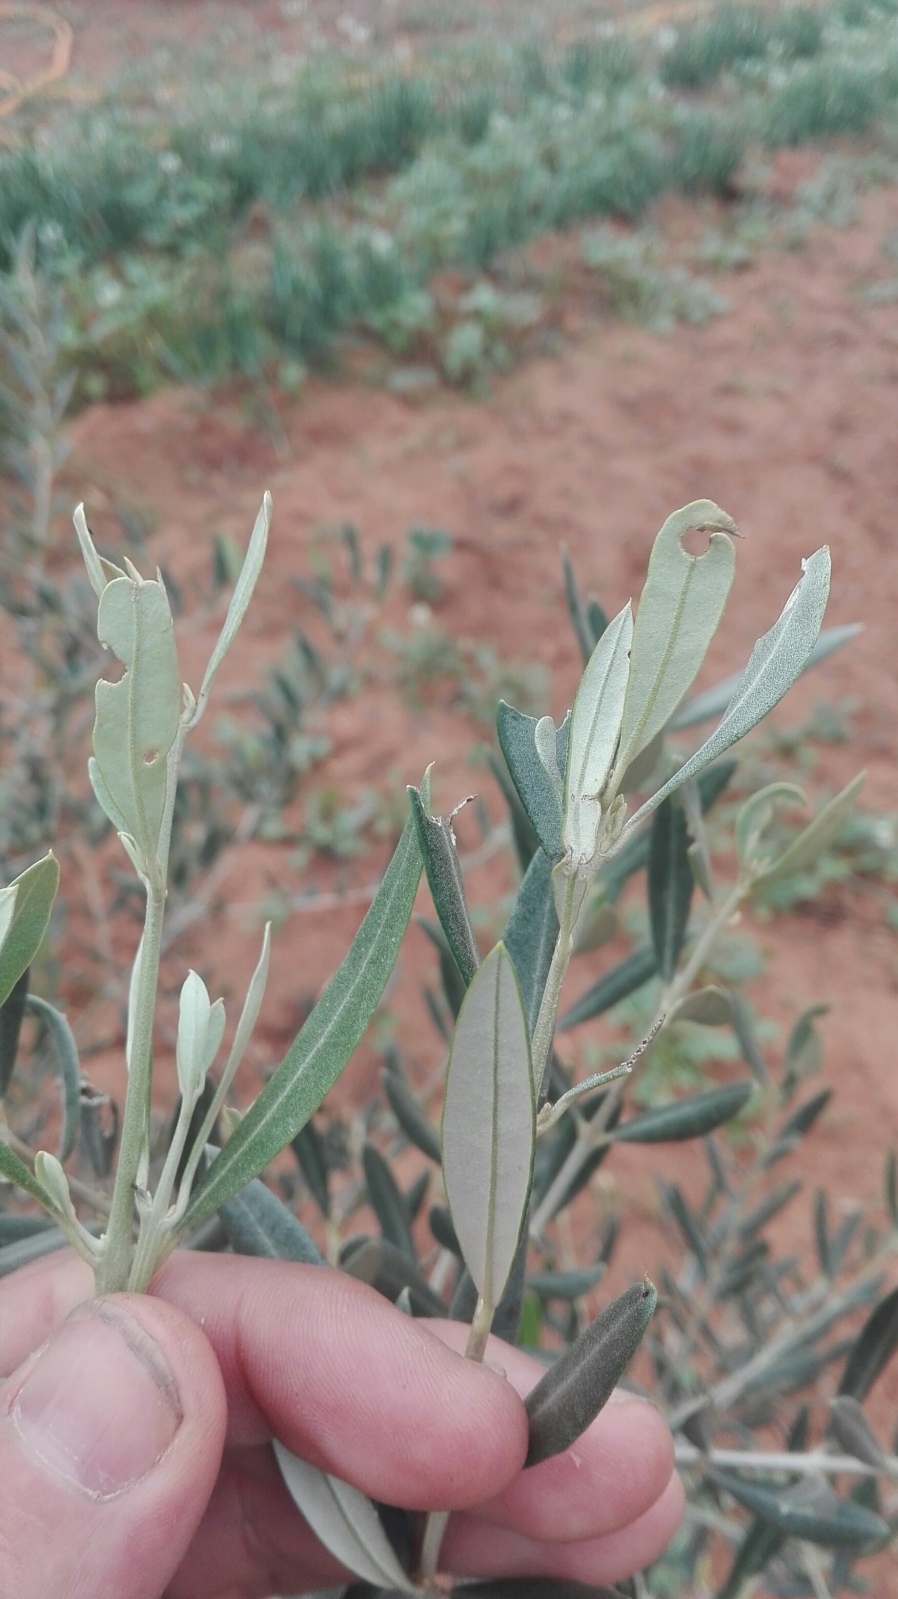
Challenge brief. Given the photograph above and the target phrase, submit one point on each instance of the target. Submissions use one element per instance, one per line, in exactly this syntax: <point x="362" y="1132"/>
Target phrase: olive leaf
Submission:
<point x="843" y="1523"/>
<point x="595" y="728"/>
<point x="488" y="1129"/>
<point x="240" y="599"/>
<point x="258" y="1223"/>
<point x="344" y="1519"/>
<point x="756" y="814"/>
<point x="325" y="1042"/>
<point x="686" y="1118"/>
<point x="814" y="839"/>
<point x="386" y="1200"/>
<point x="25" y="906"/>
<point x="535" y="786"/>
<point x="12" y="1012"/>
<point x="670" y="885"/>
<point x="418" y="1128"/>
<point x="711" y="702"/>
<point x="623" y="979"/>
<point x="137" y="718"/>
<point x="872" y="1350"/>
<point x="711" y="1007"/>
<point x="679" y="611"/>
<point x="532" y="932"/>
<point x="777" y="659"/>
<point x="574" y="1390"/>
<point x="66" y="1051"/>
<point x="436" y="842"/>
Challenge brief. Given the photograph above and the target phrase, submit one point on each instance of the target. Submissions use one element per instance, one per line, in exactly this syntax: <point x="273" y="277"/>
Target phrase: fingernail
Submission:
<point x="100" y="1404"/>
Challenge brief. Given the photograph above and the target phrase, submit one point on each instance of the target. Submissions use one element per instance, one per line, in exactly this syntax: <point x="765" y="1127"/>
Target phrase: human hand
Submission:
<point x="135" y="1433"/>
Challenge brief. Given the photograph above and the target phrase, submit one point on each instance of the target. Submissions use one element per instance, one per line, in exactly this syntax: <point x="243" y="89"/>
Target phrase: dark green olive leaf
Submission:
<point x="844" y="1523"/>
<point x="686" y="1118"/>
<point x="66" y="1052"/>
<point x="443" y="1231"/>
<point x="387" y="1201"/>
<point x="804" y="1052"/>
<point x="612" y="987"/>
<point x="777" y="659"/>
<point x="532" y="932"/>
<point x="689" y="1224"/>
<point x="258" y="1223"/>
<point x="821" y="1233"/>
<point x="532" y="1588"/>
<point x="761" y="1544"/>
<point x="507" y="1317"/>
<point x="25" y="906"/>
<point x="850" y="1429"/>
<point x="345" y="1520"/>
<point x="464" y="1299"/>
<point x="679" y="610"/>
<point x="526" y="842"/>
<point x="670" y="885"/>
<point x="581" y="1382"/>
<point x="14" y="1227"/>
<point x="708" y="1007"/>
<point x="308" y="1148"/>
<point x="387" y="1270"/>
<point x="794" y="1129"/>
<point x="488" y="1132"/>
<point x="454" y="985"/>
<point x="416" y="1193"/>
<point x="576" y="608"/>
<point x="436" y="841"/>
<point x="325" y="1042"/>
<point x="873" y="1349"/>
<point x="566" y="1285"/>
<point x="769" y="1207"/>
<point x="702" y="707"/>
<point x="536" y="790"/>
<point x="11" y="1012"/>
<point x="743" y="1028"/>
<point x="814" y="839"/>
<point x="598" y="620"/>
<point x="742" y="1271"/>
<point x="418" y="1128"/>
<point x="21" y="1252"/>
<point x="16" y="1171"/>
<point x="891" y="1186"/>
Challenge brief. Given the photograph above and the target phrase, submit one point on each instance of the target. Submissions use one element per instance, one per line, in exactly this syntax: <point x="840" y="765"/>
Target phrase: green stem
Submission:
<point x="594" y="1133"/>
<point x="113" y="1271"/>
<point x="435" y="1526"/>
<point x="544" y="1031"/>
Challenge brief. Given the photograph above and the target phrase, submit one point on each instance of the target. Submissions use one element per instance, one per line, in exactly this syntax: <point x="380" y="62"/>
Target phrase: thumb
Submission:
<point x="110" y="1443"/>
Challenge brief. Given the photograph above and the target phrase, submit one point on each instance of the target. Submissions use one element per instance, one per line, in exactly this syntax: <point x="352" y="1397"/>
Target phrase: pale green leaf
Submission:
<point x="137" y="717"/>
<point x="133" y="991"/>
<point x="344" y="1519"/>
<point x="15" y="1171"/>
<point x="758" y="812"/>
<point x="66" y="1051"/>
<point x="488" y="1124"/>
<point x="7" y="910"/>
<point x="215" y="1032"/>
<point x="814" y="839"/>
<point x="325" y="1042"/>
<point x="99" y="571"/>
<point x="104" y="798"/>
<point x="240" y="599"/>
<point x="31" y="896"/>
<point x="194" y="1011"/>
<point x="773" y="666"/>
<point x="711" y="1007"/>
<point x="679" y="611"/>
<point x="595" y="726"/>
<point x="702" y="707"/>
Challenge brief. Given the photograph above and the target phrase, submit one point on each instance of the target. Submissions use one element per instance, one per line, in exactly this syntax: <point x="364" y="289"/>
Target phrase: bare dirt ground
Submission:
<point x="782" y="411"/>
